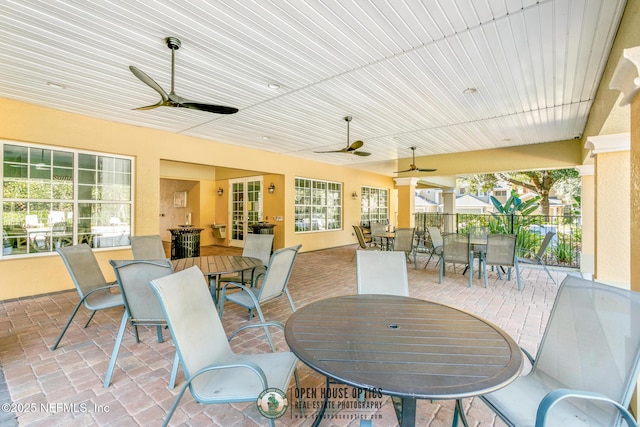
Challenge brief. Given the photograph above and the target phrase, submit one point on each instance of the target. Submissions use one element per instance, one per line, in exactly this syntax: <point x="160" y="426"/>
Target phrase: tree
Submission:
<point x="541" y="182"/>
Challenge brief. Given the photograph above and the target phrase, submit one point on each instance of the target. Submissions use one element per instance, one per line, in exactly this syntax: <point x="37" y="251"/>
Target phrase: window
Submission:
<point x="318" y="205"/>
<point x="374" y="205"/>
<point x="58" y="197"/>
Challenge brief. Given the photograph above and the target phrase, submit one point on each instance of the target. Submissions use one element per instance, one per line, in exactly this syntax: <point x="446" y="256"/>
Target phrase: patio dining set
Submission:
<point x="379" y="340"/>
<point x="495" y="250"/>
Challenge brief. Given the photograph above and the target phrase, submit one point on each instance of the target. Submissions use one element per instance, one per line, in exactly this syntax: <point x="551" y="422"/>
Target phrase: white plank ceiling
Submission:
<point x="399" y="67"/>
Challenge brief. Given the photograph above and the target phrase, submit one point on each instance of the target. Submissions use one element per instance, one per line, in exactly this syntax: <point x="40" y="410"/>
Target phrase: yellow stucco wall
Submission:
<point x="150" y="149"/>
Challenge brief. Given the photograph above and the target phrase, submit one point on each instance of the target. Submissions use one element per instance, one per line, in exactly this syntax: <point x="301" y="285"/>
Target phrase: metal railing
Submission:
<point x="564" y="249"/>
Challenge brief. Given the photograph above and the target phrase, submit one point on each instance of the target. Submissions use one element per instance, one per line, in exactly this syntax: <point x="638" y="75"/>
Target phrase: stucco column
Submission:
<point x="626" y="79"/>
<point x="406" y="201"/>
<point x="587" y="210"/>
<point x="449" y="207"/>
<point x="612" y="208"/>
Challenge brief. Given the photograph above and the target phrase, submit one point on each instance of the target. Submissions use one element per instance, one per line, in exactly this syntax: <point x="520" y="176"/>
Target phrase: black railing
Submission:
<point x="564" y="249"/>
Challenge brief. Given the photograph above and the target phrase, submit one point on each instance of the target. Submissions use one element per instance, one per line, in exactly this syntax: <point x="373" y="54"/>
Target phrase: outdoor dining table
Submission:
<point x="387" y="237"/>
<point x="404" y="347"/>
<point x="214" y="266"/>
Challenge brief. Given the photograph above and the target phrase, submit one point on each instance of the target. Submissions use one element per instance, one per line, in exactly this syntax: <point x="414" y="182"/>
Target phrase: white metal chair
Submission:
<point x="538" y="256"/>
<point x="147" y="247"/>
<point x="141" y="306"/>
<point x="93" y="289"/>
<point x="456" y="250"/>
<point x="586" y="367"/>
<point x="501" y="252"/>
<point x="214" y="373"/>
<point x="382" y="272"/>
<point x="255" y="246"/>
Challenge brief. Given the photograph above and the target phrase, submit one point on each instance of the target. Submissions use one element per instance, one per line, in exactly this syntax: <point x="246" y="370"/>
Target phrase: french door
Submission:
<point x="245" y="207"/>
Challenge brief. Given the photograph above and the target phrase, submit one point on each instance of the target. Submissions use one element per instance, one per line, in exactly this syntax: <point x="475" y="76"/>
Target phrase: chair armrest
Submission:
<point x="255" y="325"/>
<point x="528" y="355"/>
<point x="246" y="364"/>
<point x="101" y="288"/>
<point x="557" y="395"/>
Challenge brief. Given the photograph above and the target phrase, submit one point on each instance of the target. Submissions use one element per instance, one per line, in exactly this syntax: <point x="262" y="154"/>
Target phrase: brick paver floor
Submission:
<point x="64" y="387"/>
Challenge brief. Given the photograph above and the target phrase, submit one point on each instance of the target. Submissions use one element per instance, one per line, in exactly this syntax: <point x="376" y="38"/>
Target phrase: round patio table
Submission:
<point x="214" y="266"/>
<point x="404" y="347"/>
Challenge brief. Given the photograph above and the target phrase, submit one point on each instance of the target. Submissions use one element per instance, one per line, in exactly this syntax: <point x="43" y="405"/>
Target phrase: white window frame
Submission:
<point x="107" y="179"/>
<point x="317" y="205"/>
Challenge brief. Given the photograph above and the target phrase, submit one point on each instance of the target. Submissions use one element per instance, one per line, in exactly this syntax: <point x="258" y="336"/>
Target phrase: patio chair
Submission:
<point x="273" y="285"/>
<point x="214" y="373"/>
<point x="377" y="227"/>
<point x="436" y="244"/>
<point x="382" y="272"/>
<point x="586" y="367"/>
<point x="147" y="247"/>
<point x="456" y="250"/>
<point x="403" y="241"/>
<point x="501" y="252"/>
<point x="538" y="256"/>
<point x="93" y="289"/>
<point x="361" y="241"/>
<point x="255" y="246"/>
<point x="141" y="306"/>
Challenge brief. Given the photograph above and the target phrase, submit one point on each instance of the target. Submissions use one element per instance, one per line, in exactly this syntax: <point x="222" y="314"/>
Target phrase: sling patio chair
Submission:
<point x="403" y="241"/>
<point x="94" y="291"/>
<point x="214" y="373"/>
<point x="141" y="306"/>
<point x="436" y="244"/>
<point x="456" y="250"/>
<point x="586" y="367"/>
<point x="537" y="258"/>
<point x="255" y="246"/>
<point x="269" y="286"/>
<point x="382" y="272"/>
<point x="501" y="252"/>
<point x="362" y="242"/>
<point x="147" y="247"/>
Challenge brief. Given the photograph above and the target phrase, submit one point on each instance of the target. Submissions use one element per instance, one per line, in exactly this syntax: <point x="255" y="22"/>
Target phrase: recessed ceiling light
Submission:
<point x="274" y="86"/>
<point x="469" y="90"/>
<point x="266" y="138"/>
<point x="56" y="85"/>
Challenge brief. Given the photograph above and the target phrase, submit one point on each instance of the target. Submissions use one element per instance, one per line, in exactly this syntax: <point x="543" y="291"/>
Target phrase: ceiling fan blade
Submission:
<point x="218" y="109"/>
<point x="149" y="107"/>
<point x="408" y="170"/>
<point x="149" y="82"/>
<point x="426" y="170"/>
<point x="355" y="145"/>
<point x="332" y="151"/>
<point x="361" y="153"/>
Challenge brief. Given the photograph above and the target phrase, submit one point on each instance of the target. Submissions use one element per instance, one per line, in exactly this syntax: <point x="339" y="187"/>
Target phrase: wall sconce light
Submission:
<point x="354" y="195"/>
<point x="272" y="188"/>
<point x="220" y="191"/>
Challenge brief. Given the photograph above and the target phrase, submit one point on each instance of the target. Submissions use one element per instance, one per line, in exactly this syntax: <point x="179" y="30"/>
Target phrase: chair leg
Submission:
<point x="266" y="328"/>
<point x="75" y="310"/>
<point x="548" y="273"/>
<point x="90" y="317"/>
<point x="174" y="371"/>
<point x="135" y="332"/>
<point x="518" y="274"/>
<point x="470" y="268"/>
<point x="175" y="404"/>
<point x="116" y="348"/>
<point x="441" y="272"/>
<point x="293" y="307"/>
<point x="159" y="331"/>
